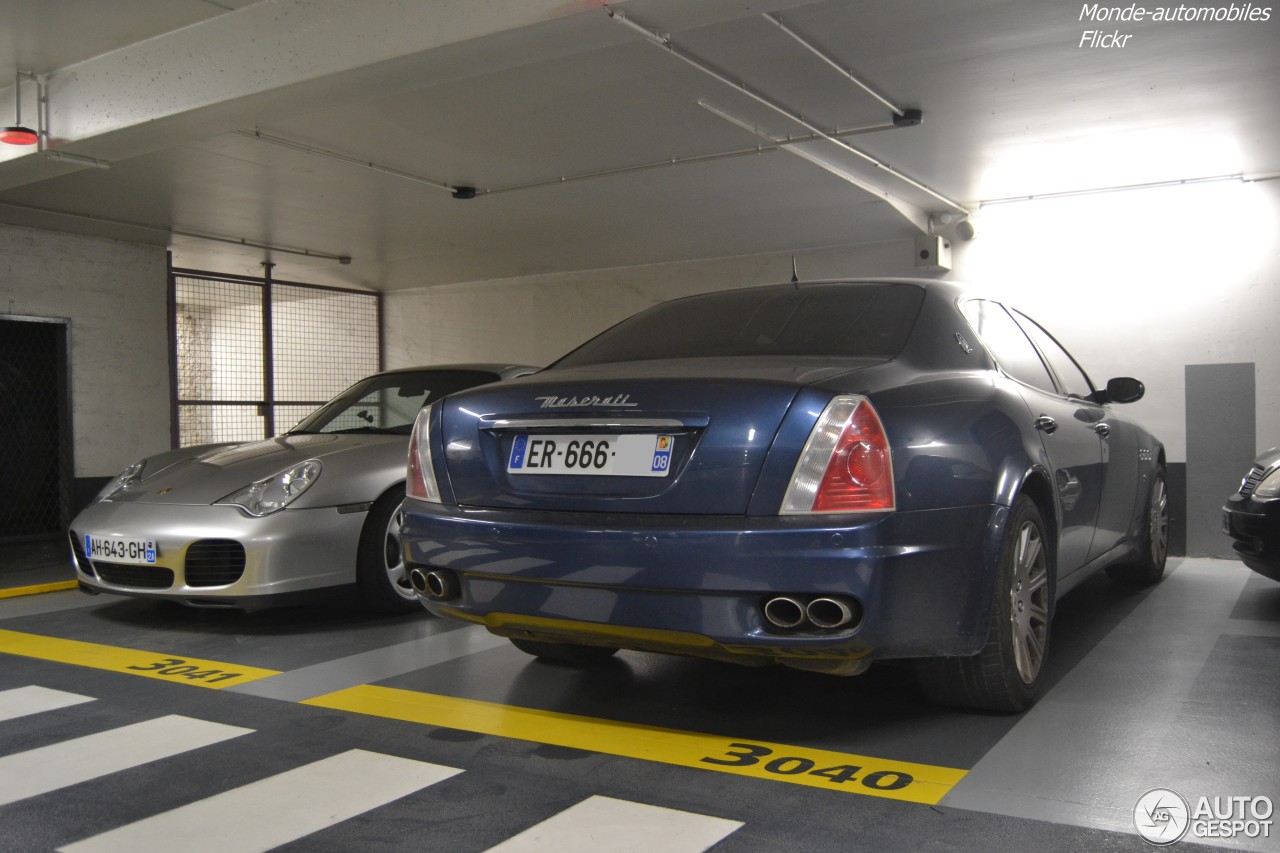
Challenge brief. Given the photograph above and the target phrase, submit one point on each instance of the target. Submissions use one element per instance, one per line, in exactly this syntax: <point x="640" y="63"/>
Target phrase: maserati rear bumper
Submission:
<point x="918" y="584"/>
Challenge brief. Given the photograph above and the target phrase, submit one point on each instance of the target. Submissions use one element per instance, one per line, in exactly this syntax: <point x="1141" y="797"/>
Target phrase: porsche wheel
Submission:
<point x="380" y="570"/>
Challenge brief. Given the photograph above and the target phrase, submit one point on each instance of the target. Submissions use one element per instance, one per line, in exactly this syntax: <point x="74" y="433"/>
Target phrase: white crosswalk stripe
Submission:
<point x="606" y="825"/>
<point x="275" y="810"/>
<point x="49" y="768"/>
<point x="22" y="701"/>
<point x="293" y="804"/>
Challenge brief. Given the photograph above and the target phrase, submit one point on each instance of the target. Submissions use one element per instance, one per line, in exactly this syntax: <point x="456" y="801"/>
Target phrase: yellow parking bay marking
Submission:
<point x="819" y="768"/>
<point x="36" y="589"/>
<point x="184" y="670"/>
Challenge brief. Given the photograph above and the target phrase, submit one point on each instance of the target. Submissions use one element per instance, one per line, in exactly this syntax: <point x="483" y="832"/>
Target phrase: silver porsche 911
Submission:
<point x="274" y="521"/>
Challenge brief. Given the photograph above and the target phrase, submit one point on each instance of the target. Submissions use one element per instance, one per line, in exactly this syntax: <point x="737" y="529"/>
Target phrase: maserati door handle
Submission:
<point x="1046" y="424"/>
<point x="1103" y="430"/>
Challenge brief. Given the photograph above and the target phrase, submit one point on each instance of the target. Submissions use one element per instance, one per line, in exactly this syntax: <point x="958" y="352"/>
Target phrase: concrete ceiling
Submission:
<point x="237" y="131"/>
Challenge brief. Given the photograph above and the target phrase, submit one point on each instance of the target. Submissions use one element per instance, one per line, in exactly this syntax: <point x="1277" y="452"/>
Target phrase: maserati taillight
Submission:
<point x="846" y="465"/>
<point x="421" y="481"/>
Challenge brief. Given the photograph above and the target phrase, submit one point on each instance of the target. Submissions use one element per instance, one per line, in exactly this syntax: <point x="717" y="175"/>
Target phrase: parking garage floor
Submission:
<point x="128" y="724"/>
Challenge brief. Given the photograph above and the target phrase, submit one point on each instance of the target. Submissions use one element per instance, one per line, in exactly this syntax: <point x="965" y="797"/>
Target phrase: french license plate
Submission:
<point x="593" y="455"/>
<point x="120" y="549"/>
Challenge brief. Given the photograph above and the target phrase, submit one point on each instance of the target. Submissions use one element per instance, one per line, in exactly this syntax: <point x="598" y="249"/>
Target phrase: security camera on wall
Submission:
<point x="933" y="253"/>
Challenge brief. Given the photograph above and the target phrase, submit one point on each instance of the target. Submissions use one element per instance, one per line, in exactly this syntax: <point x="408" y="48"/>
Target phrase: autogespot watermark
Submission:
<point x="1164" y="817"/>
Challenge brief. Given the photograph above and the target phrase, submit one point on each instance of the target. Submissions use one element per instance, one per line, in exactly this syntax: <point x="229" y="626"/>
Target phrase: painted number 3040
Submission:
<point x="750" y="754"/>
<point x="179" y="667"/>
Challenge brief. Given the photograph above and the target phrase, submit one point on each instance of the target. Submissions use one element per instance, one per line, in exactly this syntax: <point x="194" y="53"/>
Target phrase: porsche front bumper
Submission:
<point x="218" y="556"/>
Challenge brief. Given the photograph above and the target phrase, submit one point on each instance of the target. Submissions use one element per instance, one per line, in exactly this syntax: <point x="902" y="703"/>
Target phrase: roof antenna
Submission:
<point x="795" y="271"/>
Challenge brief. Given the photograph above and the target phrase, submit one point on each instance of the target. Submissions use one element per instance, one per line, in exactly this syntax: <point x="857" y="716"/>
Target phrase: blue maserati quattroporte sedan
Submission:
<point x="821" y="475"/>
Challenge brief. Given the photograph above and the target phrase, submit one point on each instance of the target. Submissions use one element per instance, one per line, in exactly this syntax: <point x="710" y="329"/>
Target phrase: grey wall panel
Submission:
<point x="1221" y="443"/>
<point x="1176" y="483"/>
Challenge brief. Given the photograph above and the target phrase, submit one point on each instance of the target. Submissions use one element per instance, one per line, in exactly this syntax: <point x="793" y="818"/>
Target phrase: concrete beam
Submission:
<point x="266" y="58"/>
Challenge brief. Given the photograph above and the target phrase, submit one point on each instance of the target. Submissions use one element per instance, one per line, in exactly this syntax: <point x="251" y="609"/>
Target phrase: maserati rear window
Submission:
<point x="832" y="320"/>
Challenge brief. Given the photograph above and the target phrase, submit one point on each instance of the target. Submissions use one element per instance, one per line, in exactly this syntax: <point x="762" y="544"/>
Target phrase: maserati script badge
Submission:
<point x="617" y="401"/>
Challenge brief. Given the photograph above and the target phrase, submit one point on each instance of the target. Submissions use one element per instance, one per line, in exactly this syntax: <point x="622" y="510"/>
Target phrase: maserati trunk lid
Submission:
<point x="676" y="437"/>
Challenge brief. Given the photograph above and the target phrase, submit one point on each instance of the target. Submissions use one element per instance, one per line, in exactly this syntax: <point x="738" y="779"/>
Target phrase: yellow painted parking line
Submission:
<point x="36" y="589"/>
<point x="184" y="670"/>
<point x="818" y="768"/>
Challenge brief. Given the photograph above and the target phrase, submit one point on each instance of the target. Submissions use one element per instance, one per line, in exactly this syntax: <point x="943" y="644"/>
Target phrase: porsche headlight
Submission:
<point x="122" y="481"/>
<point x="277" y="491"/>
<point x="1270" y="485"/>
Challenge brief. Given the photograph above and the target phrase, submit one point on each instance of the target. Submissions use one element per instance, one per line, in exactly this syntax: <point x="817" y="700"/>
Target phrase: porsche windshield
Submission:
<point x="389" y="402"/>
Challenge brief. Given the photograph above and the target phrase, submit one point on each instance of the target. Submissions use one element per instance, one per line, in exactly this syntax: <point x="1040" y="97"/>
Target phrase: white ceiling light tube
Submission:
<point x="1125" y="188"/>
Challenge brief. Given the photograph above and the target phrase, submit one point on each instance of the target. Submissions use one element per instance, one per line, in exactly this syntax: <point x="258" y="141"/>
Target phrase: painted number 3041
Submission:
<point x="751" y="754"/>
<point x="178" y="667"/>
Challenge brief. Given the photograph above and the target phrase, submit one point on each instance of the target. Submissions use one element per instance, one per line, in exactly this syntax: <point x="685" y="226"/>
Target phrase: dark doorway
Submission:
<point x="35" y="435"/>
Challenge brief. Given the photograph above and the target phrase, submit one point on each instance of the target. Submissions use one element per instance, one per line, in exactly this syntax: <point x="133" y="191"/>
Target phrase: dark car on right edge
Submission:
<point x="1252" y="516"/>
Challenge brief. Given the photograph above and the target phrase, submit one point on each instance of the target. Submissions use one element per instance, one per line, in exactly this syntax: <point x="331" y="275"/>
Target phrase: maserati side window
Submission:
<point x="1008" y="344"/>
<point x="1074" y="380"/>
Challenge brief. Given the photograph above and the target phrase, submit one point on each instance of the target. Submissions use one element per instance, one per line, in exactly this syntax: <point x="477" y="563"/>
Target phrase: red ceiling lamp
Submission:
<point x="17" y="133"/>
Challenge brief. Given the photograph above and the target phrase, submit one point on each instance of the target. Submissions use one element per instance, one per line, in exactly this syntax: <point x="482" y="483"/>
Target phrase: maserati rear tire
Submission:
<point x="1007" y="674"/>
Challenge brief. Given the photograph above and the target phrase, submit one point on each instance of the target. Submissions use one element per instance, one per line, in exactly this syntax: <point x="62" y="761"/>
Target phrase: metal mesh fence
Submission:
<point x="322" y="340"/>
<point x="34" y="441"/>
<point x="220" y="368"/>
<point x="287" y="416"/>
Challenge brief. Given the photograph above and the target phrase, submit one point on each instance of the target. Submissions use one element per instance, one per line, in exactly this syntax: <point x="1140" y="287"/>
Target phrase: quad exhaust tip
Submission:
<point x="437" y="584"/>
<point x="828" y="612"/>
<point x="825" y="612"/>
<point x="783" y="611"/>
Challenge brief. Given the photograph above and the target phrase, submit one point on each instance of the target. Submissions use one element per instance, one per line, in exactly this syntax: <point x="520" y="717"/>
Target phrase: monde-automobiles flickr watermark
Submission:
<point x="1164" y="817"/>
<point x="1126" y="22"/>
